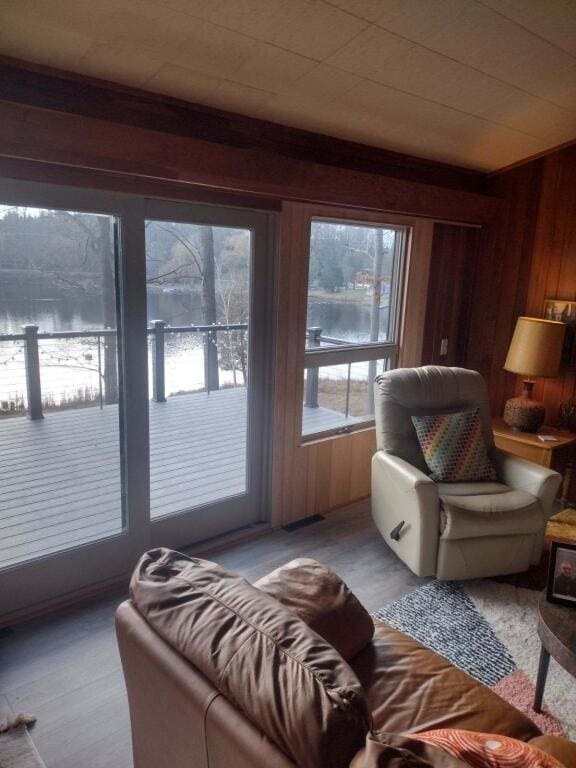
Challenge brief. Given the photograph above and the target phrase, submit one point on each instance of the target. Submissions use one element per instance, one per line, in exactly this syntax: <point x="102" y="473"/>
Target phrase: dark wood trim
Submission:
<point x="529" y="159"/>
<point x="71" y="140"/>
<point x="69" y="176"/>
<point x="36" y="86"/>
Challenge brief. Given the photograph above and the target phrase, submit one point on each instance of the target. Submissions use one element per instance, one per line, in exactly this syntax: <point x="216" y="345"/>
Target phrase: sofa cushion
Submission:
<point x="492" y="514"/>
<point x="394" y="751"/>
<point x="410" y="688"/>
<point x="488" y="750"/>
<point x="453" y="446"/>
<point x="322" y="600"/>
<point x="283" y="676"/>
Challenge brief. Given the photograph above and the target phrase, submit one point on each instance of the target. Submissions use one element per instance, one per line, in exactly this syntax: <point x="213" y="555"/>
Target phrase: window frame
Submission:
<point x="345" y="354"/>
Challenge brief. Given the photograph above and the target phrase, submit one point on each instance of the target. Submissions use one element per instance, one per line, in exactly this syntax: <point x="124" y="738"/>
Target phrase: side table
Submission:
<point x="559" y="454"/>
<point x="557" y="632"/>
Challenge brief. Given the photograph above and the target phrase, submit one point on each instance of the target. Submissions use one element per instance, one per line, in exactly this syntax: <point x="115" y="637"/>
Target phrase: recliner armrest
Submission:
<point x="523" y="475"/>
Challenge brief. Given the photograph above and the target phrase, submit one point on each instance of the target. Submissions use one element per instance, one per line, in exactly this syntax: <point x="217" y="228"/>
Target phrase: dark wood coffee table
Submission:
<point x="557" y="632"/>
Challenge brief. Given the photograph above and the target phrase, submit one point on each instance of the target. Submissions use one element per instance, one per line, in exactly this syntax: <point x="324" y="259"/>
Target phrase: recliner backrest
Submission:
<point x="406" y="392"/>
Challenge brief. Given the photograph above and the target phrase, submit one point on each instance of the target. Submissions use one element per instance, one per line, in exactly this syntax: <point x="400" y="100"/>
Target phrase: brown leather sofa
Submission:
<point x="200" y="651"/>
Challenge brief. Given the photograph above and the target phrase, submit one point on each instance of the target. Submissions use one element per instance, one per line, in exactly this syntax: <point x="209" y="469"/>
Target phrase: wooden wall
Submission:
<point x="533" y="258"/>
<point x="553" y="267"/>
<point x="54" y="131"/>
<point x="454" y="258"/>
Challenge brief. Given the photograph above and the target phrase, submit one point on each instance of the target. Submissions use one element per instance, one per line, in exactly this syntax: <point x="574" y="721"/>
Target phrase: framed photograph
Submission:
<point x="562" y="574"/>
<point x="564" y="310"/>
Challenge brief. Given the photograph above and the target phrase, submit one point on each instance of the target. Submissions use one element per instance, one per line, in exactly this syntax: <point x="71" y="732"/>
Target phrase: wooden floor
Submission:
<point x="60" y="476"/>
<point x="66" y="669"/>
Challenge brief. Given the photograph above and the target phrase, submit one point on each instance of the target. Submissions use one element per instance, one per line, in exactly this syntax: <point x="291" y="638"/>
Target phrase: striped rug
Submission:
<point x="488" y="630"/>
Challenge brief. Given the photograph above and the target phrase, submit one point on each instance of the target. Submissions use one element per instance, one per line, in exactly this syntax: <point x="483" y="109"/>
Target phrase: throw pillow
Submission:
<point x="453" y="446"/>
<point x="323" y="601"/>
<point x="484" y="750"/>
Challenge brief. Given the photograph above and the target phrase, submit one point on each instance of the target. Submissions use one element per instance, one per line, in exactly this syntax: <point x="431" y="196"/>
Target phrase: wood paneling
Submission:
<point x="416" y="295"/>
<point x="553" y="268"/>
<point x="454" y="258"/>
<point x="533" y="258"/>
<point x="93" y="144"/>
<point x="502" y="277"/>
<point x="37" y="86"/>
<point x="71" y="176"/>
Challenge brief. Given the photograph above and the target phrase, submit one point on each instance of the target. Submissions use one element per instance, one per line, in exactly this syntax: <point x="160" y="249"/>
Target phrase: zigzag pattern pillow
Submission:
<point x="453" y="446"/>
<point x="483" y="750"/>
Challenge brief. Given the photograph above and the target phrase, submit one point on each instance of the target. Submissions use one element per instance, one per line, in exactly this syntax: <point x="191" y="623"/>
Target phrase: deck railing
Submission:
<point x="105" y="364"/>
<point x="106" y="352"/>
<point x="315" y="338"/>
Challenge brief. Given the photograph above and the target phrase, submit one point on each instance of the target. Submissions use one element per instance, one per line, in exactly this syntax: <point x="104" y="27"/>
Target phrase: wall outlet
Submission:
<point x="443" y="347"/>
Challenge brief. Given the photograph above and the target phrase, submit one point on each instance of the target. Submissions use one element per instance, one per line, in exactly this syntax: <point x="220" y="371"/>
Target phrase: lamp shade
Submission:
<point x="536" y="347"/>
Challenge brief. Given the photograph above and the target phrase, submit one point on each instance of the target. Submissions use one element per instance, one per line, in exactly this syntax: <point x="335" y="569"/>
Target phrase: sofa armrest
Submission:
<point x="523" y="475"/>
<point x="403" y="493"/>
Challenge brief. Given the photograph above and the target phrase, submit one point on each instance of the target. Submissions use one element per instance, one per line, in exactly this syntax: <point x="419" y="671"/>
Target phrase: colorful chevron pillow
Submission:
<point x="453" y="446"/>
<point x="483" y="750"/>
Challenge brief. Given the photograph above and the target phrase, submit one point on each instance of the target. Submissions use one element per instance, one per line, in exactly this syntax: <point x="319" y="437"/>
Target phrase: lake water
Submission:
<point x="69" y="367"/>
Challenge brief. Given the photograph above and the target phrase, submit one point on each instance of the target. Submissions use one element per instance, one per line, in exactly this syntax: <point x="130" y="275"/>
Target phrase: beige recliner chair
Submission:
<point x="452" y="530"/>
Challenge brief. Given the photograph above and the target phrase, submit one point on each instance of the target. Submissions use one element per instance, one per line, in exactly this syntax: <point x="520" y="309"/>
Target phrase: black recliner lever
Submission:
<point x="396" y="531"/>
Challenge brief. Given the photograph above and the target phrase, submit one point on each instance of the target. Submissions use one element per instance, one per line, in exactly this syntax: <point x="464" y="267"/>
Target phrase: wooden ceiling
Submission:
<point x="478" y="83"/>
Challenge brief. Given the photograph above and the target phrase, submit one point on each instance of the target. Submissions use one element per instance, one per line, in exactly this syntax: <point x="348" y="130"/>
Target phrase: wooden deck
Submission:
<point x="60" y="477"/>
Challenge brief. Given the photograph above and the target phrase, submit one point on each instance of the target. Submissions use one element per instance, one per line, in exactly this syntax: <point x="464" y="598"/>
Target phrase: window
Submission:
<point x="354" y="288"/>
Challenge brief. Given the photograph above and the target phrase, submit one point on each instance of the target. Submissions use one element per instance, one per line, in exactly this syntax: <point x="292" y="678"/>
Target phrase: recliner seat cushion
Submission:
<point x="280" y="674"/>
<point x="469" y="488"/>
<point x="494" y="514"/>
<point x="323" y="601"/>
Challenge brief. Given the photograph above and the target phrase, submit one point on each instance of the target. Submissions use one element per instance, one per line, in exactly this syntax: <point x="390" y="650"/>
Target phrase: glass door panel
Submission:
<point x="59" y="382"/>
<point x="198" y="288"/>
<point x="134" y="336"/>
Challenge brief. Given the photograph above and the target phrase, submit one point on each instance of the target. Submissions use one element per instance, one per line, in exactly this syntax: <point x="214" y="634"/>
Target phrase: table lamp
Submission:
<point x="535" y="350"/>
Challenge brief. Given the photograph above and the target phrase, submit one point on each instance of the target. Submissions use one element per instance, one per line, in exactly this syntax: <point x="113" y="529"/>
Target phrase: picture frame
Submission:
<point x="561" y="584"/>
<point x="564" y="311"/>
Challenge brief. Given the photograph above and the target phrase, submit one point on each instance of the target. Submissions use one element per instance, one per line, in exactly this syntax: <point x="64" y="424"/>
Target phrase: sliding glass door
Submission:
<point x="134" y="338"/>
<point x="60" y="382"/>
<point x="207" y="271"/>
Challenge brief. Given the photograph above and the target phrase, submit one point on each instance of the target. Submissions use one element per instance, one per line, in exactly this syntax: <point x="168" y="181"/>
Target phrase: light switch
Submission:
<point x="443" y="347"/>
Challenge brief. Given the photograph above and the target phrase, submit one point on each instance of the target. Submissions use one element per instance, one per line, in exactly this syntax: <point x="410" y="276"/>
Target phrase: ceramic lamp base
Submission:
<point x="524" y="414"/>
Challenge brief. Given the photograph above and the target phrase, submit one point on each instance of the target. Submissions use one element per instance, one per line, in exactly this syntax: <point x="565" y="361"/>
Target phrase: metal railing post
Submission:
<point x="32" y="359"/>
<point x="311" y="394"/>
<point x="372" y="368"/>
<point x="211" y="374"/>
<point x="158" y="368"/>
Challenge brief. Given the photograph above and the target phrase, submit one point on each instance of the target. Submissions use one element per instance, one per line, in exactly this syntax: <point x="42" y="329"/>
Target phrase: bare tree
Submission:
<point x="206" y="239"/>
